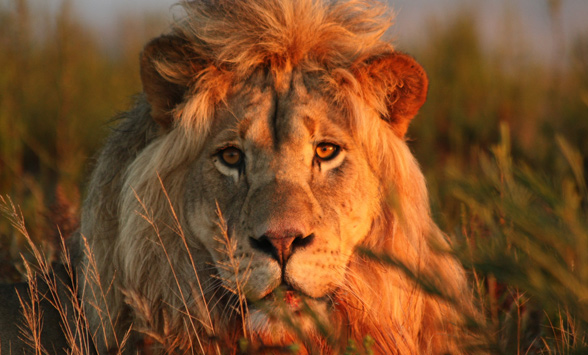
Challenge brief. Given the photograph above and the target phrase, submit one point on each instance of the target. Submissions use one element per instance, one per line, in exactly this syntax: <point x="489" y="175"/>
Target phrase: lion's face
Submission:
<point x="293" y="186"/>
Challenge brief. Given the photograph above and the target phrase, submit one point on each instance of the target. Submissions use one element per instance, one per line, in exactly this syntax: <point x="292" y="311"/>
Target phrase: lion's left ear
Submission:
<point x="167" y="66"/>
<point x="401" y="82"/>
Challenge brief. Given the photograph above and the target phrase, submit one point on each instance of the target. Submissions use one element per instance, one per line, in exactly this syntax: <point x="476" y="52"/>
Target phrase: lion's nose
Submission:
<point x="281" y="244"/>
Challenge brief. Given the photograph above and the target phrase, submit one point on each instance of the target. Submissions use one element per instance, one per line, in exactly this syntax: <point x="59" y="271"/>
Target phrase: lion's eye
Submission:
<point x="327" y="151"/>
<point x="231" y="156"/>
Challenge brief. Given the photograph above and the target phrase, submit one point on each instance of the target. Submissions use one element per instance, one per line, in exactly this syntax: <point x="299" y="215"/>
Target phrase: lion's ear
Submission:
<point x="404" y="84"/>
<point x="167" y="66"/>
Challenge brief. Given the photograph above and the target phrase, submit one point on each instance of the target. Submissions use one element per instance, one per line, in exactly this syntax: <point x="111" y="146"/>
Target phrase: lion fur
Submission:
<point x="134" y="223"/>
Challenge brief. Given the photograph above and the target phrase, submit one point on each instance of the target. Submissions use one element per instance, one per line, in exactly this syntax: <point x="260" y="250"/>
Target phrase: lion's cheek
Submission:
<point x="261" y="279"/>
<point x="358" y="213"/>
<point x="315" y="276"/>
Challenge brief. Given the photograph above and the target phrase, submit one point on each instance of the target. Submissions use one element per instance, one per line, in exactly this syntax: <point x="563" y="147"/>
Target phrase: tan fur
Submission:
<point x="185" y="249"/>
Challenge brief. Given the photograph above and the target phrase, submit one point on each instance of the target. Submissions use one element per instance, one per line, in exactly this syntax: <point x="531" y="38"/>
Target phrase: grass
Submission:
<point x="524" y="236"/>
<point x="48" y="287"/>
<point x="501" y="141"/>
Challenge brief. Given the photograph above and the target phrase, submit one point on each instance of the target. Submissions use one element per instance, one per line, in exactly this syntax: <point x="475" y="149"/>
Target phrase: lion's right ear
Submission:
<point x="167" y="66"/>
<point x="399" y="81"/>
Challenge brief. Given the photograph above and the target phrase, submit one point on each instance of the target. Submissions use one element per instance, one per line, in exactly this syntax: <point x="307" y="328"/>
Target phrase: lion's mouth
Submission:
<point x="288" y="299"/>
<point x="293" y="300"/>
<point x="287" y="311"/>
<point x="285" y="299"/>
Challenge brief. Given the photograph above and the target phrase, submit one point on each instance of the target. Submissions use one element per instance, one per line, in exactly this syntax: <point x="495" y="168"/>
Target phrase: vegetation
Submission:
<point x="501" y="140"/>
<point x="59" y="89"/>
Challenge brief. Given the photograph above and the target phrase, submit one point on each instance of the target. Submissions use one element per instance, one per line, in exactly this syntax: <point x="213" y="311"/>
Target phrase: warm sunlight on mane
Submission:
<point x="272" y="80"/>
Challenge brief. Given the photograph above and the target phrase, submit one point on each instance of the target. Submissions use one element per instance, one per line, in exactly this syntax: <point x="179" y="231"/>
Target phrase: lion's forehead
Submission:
<point x="258" y="113"/>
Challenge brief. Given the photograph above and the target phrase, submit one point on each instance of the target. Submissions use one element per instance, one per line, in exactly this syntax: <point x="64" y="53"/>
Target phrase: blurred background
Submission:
<point x="503" y="135"/>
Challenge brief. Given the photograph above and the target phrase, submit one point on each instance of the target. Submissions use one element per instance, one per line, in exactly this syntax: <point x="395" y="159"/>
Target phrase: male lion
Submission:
<point x="240" y="197"/>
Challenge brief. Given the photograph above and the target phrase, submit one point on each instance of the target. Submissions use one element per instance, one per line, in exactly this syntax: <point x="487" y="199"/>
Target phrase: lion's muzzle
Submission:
<point x="280" y="244"/>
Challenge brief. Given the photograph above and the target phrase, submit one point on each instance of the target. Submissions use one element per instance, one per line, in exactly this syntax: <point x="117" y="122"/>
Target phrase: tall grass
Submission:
<point x="524" y="235"/>
<point x="502" y="141"/>
<point x="59" y="87"/>
<point x="476" y="87"/>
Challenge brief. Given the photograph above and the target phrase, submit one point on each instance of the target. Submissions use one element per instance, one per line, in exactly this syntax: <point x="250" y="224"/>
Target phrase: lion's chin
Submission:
<point x="277" y="319"/>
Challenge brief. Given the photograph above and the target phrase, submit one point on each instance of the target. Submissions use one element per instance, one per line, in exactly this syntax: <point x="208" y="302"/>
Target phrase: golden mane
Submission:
<point x="222" y="42"/>
<point x="239" y="36"/>
<point x="227" y="40"/>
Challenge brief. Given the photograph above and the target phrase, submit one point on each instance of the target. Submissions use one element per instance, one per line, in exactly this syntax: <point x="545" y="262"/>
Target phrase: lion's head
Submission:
<point x="235" y="198"/>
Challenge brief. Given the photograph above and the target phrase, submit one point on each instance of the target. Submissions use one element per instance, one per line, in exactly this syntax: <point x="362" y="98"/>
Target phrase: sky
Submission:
<point x="523" y="21"/>
<point x="529" y="19"/>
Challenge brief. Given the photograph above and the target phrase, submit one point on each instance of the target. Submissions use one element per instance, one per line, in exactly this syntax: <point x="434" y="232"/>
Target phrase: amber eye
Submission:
<point x="326" y="151"/>
<point x="231" y="156"/>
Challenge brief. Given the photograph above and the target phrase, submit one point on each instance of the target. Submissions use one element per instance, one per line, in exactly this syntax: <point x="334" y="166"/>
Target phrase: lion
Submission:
<point x="260" y="193"/>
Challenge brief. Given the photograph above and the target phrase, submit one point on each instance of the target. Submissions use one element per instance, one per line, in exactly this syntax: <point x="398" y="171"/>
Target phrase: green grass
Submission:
<point x="502" y="141"/>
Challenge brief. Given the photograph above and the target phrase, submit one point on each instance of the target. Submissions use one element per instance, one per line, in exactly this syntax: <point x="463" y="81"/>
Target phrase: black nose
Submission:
<point x="281" y="245"/>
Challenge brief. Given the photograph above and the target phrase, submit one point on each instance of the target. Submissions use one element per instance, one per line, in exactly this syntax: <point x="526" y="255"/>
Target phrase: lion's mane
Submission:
<point x="137" y="269"/>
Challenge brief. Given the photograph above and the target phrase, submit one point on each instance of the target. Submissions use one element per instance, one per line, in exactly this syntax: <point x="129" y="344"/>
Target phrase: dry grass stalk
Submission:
<point x="228" y="247"/>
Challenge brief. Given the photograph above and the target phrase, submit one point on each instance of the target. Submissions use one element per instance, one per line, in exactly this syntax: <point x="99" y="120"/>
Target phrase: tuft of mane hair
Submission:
<point x="226" y="40"/>
<point x="243" y="35"/>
